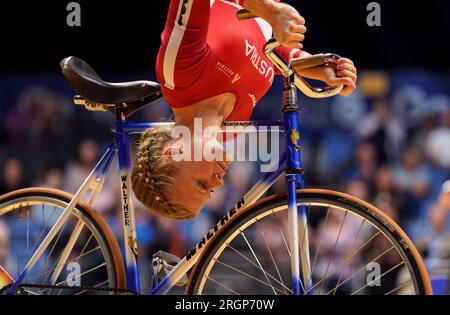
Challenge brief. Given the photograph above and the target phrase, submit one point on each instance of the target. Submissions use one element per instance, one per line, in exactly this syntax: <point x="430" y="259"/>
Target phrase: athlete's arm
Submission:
<point x="345" y="74"/>
<point x="184" y="51"/>
<point x="287" y="24"/>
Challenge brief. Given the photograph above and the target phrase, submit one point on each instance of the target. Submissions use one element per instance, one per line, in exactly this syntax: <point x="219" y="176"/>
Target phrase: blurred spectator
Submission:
<point x="388" y="195"/>
<point x="357" y="189"/>
<point x="365" y="163"/>
<point x="420" y="136"/>
<point x="384" y="130"/>
<point x="39" y="124"/>
<point x="13" y="177"/>
<point x="77" y="171"/>
<point x="52" y="178"/>
<point x="413" y="179"/>
<point x="437" y="145"/>
<point x="389" y="206"/>
<point x="440" y="225"/>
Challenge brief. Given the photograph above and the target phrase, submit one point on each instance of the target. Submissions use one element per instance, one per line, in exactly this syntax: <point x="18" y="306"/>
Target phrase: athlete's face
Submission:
<point x="196" y="180"/>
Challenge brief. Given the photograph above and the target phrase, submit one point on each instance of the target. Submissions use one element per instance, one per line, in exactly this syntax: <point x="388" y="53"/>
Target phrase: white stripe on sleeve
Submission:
<point x="170" y="55"/>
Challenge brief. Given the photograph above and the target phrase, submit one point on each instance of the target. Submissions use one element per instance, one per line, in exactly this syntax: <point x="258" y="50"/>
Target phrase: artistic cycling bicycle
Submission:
<point x="304" y="241"/>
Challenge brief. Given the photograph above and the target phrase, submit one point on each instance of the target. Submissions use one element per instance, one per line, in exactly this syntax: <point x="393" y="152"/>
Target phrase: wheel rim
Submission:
<point x="274" y="280"/>
<point x="28" y="219"/>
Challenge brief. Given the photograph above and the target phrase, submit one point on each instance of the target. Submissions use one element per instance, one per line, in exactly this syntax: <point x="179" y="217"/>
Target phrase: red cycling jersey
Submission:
<point x="207" y="51"/>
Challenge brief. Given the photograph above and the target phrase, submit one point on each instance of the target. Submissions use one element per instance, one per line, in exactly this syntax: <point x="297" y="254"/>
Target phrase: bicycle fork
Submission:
<point x="298" y="229"/>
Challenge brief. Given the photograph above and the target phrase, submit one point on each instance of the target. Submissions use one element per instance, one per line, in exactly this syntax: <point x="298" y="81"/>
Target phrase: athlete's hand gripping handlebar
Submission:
<point x="297" y="64"/>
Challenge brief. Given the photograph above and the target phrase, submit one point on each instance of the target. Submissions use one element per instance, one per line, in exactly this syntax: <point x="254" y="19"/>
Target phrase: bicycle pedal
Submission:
<point x="163" y="263"/>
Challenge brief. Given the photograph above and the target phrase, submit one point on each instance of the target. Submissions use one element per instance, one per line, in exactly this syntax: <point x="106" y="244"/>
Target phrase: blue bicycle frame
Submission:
<point x="291" y="166"/>
<point x="123" y="130"/>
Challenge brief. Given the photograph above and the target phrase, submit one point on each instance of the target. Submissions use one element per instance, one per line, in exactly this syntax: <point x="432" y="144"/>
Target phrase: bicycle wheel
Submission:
<point x="354" y="249"/>
<point x="73" y="262"/>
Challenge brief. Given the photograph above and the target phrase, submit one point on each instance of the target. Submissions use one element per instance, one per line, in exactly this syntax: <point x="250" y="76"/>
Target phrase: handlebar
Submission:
<point x="296" y="64"/>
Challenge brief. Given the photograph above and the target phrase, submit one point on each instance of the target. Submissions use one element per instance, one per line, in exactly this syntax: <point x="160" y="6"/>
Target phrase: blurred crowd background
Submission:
<point x="388" y="144"/>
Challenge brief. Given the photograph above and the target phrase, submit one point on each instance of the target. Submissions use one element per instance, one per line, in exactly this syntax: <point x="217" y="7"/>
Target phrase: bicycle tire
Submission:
<point x="82" y="211"/>
<point x="367" y="211"/>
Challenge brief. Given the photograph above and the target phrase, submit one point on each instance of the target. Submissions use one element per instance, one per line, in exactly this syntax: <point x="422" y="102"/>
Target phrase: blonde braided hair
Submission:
<point x="152" y="175"/>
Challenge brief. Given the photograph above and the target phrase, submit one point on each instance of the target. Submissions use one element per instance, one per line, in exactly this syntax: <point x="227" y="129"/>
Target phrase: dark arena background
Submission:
<point x="388" y="143"/>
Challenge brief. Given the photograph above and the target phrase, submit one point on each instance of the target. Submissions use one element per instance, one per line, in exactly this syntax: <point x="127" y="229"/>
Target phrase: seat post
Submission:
<point x="129" y="223"/>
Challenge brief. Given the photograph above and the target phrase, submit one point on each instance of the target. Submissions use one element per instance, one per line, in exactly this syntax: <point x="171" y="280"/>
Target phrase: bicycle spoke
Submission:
<point x="379" y="277"/>
<point x="44" y="224"/>
<point x="81" y="253"/>
<point x="334" y="248"/>
<point x="77" y="276"/>
<point x="353" y="254"/>
<point x="55" y="242"/>
<point x="399" y="287"/>
<point x="223" y="286"/>
<point x="257" y="260"/>
<point x="30" y="217"/>
<point x="320" y="243"/>
<point x="343" y="241"/>
<point x="364" y="267"/>
<point x="282" y="235"/>
<point x="17" y="245"/>
<point x="28" y="231"/>
<point x="247" y="275"/>
<point x="255" y="265"/>
<point x="84" y="273"/>
<point x="86" y="244"/>
<point x="54" y="246"/>
<point x="47" y="271"/>
<point x="271" y="256"/>
<point x="348" y="257"/>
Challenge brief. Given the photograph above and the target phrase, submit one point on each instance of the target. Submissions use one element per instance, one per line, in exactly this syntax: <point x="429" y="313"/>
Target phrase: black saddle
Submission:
<point x="131" y="96"/>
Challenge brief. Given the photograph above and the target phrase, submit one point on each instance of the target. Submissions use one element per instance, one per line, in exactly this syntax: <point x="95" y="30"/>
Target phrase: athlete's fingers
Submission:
<point x="349" y="86"/>
<point x="346" y="66"/>
<point x="296" y="37"/>
<point x="347" y="90"/>
<point x="345" y="60"/>
<point x="300" y="20"/>
<point x="293" y="44"/>
<point x="347" y="73"/>
<point x="296" y="28"/>
<point x="291" y="37"/>
<point x="342" y="81"/>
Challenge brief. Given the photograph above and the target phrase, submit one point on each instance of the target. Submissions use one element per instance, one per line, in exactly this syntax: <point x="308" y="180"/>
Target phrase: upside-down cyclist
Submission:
<point x="211" y="65"/>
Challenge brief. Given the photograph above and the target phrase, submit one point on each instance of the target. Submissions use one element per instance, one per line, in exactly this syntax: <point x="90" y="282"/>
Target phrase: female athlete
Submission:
<point x="211" y="66"/>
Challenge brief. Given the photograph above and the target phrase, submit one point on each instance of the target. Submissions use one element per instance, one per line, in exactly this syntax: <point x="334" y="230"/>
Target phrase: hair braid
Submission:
<point x="152" y="174"/>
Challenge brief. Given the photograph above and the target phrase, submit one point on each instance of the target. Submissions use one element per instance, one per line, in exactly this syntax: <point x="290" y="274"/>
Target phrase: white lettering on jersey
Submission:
<point x="261" y="65"/>
<point x="236" y="78"/>
<point x="253" y="98"/>
<point x="228" y="72"/>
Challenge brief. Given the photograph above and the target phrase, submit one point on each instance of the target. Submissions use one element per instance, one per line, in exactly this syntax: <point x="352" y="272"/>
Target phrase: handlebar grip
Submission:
<point x="244" y="14"/>
<point x="288" y="69"/>
<point x="327" y="60"/>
